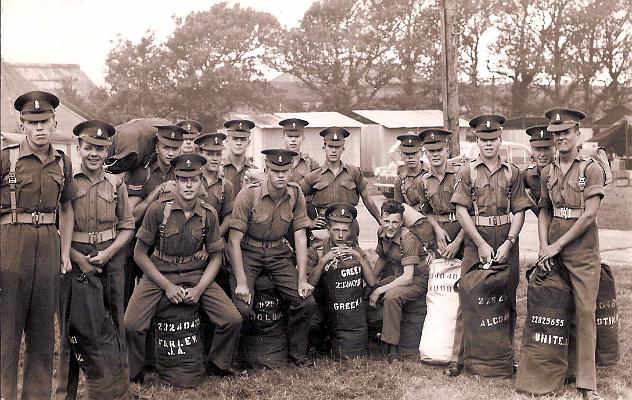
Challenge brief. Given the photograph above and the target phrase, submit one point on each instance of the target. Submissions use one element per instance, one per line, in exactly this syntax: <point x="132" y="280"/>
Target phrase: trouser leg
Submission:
<point x="67" y="367"/>
<point x="394" y="300"/>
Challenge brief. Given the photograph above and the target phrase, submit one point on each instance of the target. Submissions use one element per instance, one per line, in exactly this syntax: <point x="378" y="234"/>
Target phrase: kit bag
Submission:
<point x="437" y="337"/>
<point x="178" y="344"/>
<point x="94" y="338"/>
<point x="607" y="318"/>
<point x="543" y="356"/>
<point x="265" y="344"/>
<point x="134" y="144"/>
<point x="486" y="309"/>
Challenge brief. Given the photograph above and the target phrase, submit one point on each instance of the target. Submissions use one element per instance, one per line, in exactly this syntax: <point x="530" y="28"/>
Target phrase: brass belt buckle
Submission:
<point x="494" y="220"/>
<point x="35" y="218"/>
<point x="566" y="212"/>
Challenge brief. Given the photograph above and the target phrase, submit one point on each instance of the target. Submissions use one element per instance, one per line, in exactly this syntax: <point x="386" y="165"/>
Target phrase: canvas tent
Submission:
<point x="13" y="85"/>
<point x="617" y="138"/>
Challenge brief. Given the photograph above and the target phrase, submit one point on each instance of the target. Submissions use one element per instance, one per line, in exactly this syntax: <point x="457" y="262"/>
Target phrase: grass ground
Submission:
<point x="376" y="379"/>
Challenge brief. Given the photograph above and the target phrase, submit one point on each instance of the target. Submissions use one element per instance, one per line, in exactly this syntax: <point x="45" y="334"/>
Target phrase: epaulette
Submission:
<point x="531" y="167"/>
<point x="254" y="184"/>
<point x="167" y="198"/>
<point x="206" y="205"/>
<point x="293" y="184"/>
<point x="11" y="146"/>
<point x="457" y="163"/>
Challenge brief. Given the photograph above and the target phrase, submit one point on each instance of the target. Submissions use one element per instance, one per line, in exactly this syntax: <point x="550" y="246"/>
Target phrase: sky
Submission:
<point x="82" y="31"/>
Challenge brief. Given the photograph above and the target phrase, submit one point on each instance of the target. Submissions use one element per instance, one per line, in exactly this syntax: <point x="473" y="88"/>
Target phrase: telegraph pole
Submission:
<point x="450" y="72"/>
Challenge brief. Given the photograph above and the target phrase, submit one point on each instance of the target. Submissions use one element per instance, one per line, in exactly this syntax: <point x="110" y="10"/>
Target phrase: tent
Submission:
<point x="617" y="138"/>
<point x="13" y="85"/>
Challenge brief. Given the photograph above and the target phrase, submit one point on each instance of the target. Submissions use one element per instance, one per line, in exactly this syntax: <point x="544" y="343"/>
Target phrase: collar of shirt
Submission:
<point x="396" y="239"/>
<point x="478" y="161"/>
<point x="27" y="150"/>
<point x="326" y="168"/>
<point x="209" y="182"/>
<point x="449" y="169"/>
<point x="265" y="191"/>
<point x="154" y="165"/>
<point x="197" y="208"/>
<point x="227" y="161"/>
<point x="81" y="171"/>
<point x="419" y="170"/>
<point x="556" y="160"/>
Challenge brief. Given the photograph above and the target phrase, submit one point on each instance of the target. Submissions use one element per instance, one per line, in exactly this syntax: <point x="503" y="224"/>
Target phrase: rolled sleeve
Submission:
<point x="545" y="200"/>
<point x="151" y="224"/>
<point x="241" y="210"/>
<point x="123" y="210"/>
<point x="312" y="256"/>
<point x="213" y="242"/>
<point x="307" y="182"/>
<point x="462" y="189"/>
<point x="301" y="220"/>
<point x="520" y="200"/>
<point x="69" y="190"/>
<point x="412" y="249"/>
<point x="595" y="181"/>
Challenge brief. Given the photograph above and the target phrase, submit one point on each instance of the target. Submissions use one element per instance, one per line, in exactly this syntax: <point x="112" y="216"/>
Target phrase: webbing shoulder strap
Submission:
<point x="583" y="164"/>
<point x="115" y="182"/>
<point x="14" y="153"/>
<point x="474" y="175"/>
<point x="166" y="212"/>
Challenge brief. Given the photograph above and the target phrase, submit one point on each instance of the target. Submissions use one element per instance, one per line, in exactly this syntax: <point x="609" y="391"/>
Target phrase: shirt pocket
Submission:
<point x="260" y="215"/>
<point x="52" y="186"/>
<point x="482" y="191"/>
<point x="106" y="205"/>
<point x="321" y="185"/>
<point x="349" y="193"/>
<point x="572" y="194"/>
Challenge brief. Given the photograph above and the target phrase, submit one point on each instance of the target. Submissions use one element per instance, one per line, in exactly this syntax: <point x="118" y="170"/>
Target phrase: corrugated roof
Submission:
<point x="322" y="119"/>
<point x="49" y="77"/>
<point x="407" y="118"/>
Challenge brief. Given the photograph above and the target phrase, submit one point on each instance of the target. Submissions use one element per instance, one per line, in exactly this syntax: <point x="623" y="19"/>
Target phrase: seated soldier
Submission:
<point x="341" y="265"/>
<point x="406" y="278"/>
<point x="179" y="229"/>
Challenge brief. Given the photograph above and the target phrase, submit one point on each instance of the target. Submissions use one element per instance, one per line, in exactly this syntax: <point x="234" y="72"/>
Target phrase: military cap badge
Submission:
<point x="37" y="104"/>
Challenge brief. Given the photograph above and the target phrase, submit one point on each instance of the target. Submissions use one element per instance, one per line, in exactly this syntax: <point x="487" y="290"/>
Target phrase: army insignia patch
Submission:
<point x="240" y="128"/>
<point x="188" y="163"/>
<point x="188" y="127"/>
<point x="216" y="140"/>
<point x="488" y="124"/>
<point x="293" y="125"/>
<point x="173" y="135"/>
<point x="280" y="159"/>
<point x="342" y="212"/>
<point x="541" y="134"/>
<point x="37" y="104"/>
<point x="99" y="133"/>
<point x="432" y="136"/>
<point x="557" y="117"/>
<point x="335" y="136"/>
<point x="410" y="142"/>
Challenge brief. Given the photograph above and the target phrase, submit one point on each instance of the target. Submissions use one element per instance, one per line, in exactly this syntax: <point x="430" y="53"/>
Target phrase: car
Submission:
<point x="517" y="153"/>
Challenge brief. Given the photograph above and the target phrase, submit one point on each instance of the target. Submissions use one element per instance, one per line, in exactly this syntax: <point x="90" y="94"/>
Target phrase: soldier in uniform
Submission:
<point x="179" y="227"/>
<point x="103" y="225"/>
<point x="193" y="129"/>
<point x="435" y="188"/>
<point x="219" y="191"/>
<point x="236" y="163"/>
<point x="404" y="255"/>
<point x="293" y="135"/>
<point x="36" y="182"/>
<point x="336" y="181"/>
<point x="488" y="191"/>
<point x="405" y="190"/>
<point x="146" y="184"/>
<point x="543" y="153"/>
<point x="571" y="191"/>
<point x="263" y="213"/>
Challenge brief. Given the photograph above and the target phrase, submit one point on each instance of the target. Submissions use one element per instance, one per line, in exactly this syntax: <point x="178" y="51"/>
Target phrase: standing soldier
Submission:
<point x="179" y="229"/>
<point x="436" y="188"/>
<point x="405" y="190"/>
<point x="336" y="181"/>
<point x="293" y="135"/>
<point x="146" y="184"/>
<point x="236" y="162"/>
<point x="488" y="190"/>
<point x="543" y="153"/>
<point x="264" y="212"/>
<point x="571" y="191"/>
<point x="218" y="191"/>
<point x="103" y="225"/>
<point x="36" y="182"/>
<point x="193" y="129"/>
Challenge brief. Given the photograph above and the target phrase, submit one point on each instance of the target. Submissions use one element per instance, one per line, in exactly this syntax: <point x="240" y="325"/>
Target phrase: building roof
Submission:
<point x="613" y="115"/>
<point x="407" y="118"/>
<point x="323" y="119"/>
<point x="50" y="77"/>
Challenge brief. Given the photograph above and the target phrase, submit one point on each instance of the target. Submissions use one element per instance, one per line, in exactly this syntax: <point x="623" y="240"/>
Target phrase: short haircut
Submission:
<point x="392" y="207"/>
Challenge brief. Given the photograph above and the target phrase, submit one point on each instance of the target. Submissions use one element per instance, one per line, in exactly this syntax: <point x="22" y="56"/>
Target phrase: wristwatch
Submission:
<point x="511" y="239"/>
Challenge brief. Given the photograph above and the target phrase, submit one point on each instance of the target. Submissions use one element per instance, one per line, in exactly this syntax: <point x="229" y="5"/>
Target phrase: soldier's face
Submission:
<point x="279" y="179"/>
<point x="391" y="224"/>
<point x="213" y="159"/>
<point x="566" y="140"/>
<point x="188" y="187"/>
<point x="339" y="232"/>
<point x="543" y="156"/>
<point x="412" y="160"/>
<point x="188" y="147"/>
<point x="39" y="133"/>
<point x="437" y="157"/>
<point x="333" y="153"/>
<point x="293" y="142"/>
<point x="237" y="145"/>
<point x="92" y="156"/>
<point x="166" y="153"/>
<point x="489" y="147"/>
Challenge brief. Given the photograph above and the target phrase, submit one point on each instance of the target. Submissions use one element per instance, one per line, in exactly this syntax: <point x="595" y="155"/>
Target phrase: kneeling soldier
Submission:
<point x="179" y="230"/>
<point x="342" y="265"/>
<point x="404" y="253"/>
<point x="103" y="225"/>
<point x="263" y="213"/>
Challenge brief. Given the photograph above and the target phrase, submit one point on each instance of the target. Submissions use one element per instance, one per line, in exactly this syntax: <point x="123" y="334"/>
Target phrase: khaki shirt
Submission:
<point x="261" y="218"/>
<point x="143" y="180"/>
<point x="405" y="189"/>
<point x="220" y="195"/>
<point x="436" y="192"/>
<point x="306" y="164"/>
<point x="99" y="206"/>
<point x="402" y="250"/>
<point x="565" y="188"/>
<point x="233" y="175"/>
<point x="40" y="185"/>
<point x="531" y="180"/>
<point x="491" y="189"/>
<point x="327" y="188"/>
